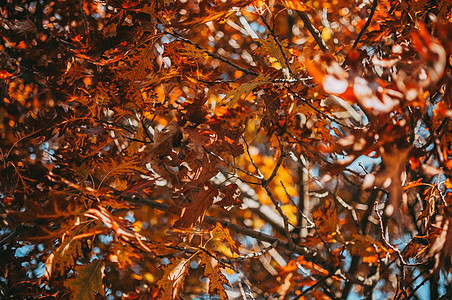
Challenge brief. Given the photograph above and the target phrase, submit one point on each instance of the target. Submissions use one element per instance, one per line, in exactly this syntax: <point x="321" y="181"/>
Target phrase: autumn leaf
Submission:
<point x="413" y="184"/>
<point x="416" y="247"/>
<point x="223" y="234"/>
<point x="394" y="159"/>
<point x="163" y="141"/>
<point x="448" y="184"/>
<point x="64" y="257"/>
<point x="244" y="89"/>
<point x="231" y="196"/>
<point x="441" y="248"/>
<point x="173" y="278"/>
<point x="201" y="199"/>
<point x="326" y="219"/>
<point x="87" y="282"/>
<point x="295" y="4"/>
<point x="367" y="248"/>
<point x="216" y="278"/>
<point x="123" y="255"/>
<point x="162" y="138"/>
<point x="270" y="49"/>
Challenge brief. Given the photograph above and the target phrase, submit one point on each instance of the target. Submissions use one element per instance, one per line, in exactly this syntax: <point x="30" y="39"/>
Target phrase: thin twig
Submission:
<point x="316" y="109"/>
<point x="319" y="282"/>
<point x="251" y="158"/>
<point x="281" y="49"/>
<point x="386" y="242"/>
<point x="309" y="254"/>
<point x="314" y="32"/>
<point x="275" y="202"/>
<point x="253" y="255"/>
<point x="369" y="19"/>
<point x="281" y="213"/>
<point x="211" y="54"/>
<point x="416" y="288"/>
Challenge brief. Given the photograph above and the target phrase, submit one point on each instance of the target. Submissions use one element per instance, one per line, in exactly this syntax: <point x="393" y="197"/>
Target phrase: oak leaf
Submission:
<point x="326" y="219"/>
<point x="216" y="278"/>
<point x="201" y="198"/>
<point x="231" y="196"/>
<point x="64" y="257"/>
<point x="87" y="281"/>
<point x="245" y="89"/>
<point x="173" y="278"/>
<point x="223" y="234"/>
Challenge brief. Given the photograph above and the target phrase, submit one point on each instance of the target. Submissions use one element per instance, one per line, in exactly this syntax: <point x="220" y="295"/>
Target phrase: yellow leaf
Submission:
<point x="326" y="34"/>
<point x="448" y="184"/>
<point x="291" y="212"/>
<point x="221" y="233"/>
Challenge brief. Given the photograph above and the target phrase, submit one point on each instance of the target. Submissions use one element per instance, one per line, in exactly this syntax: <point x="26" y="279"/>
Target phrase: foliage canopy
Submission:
<point x="240" y="149"/>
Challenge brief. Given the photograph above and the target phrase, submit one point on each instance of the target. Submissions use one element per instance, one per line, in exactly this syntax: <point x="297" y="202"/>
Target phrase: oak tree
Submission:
<point x="233" y="149"/>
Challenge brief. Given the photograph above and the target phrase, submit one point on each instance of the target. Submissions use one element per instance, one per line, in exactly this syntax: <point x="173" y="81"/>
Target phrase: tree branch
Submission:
<point x="309" y="254"/>
<point x="314" y="32"/>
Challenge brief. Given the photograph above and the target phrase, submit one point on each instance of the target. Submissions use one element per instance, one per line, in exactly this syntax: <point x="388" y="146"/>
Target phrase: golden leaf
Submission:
<point x="245" y="89"/>
<point x="221" y="233"/>
<point x="172" y="280"/>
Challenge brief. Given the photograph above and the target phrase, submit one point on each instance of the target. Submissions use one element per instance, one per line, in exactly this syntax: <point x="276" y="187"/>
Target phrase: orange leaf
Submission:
<point x="296" y="5"/>
<point x="172" y="280"/>
<point x="448" y="184"/>
<point x="414" y="184"/>
<point x="315" y="71"/>
<point x="201" y="199"/>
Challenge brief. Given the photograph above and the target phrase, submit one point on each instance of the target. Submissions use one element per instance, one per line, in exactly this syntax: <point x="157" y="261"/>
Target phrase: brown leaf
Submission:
<point x="173" y="278"/>
<point x="216" y="279"/>
<point x="164" y="141"/>
<point x="389" y="177"/>
<point x="87" y="281"/>
<point x="201" y="198"/>
<point x="441" y="248"/>
<point x="64" y="257"/>
<point x="231" y="196"/>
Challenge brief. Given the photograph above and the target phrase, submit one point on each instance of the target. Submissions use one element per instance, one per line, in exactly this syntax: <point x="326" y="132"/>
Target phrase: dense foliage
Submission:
<point x="238" y="149"/>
